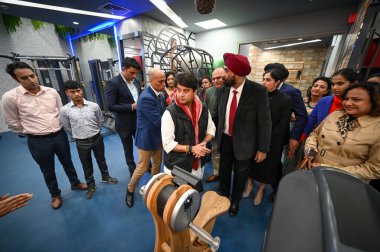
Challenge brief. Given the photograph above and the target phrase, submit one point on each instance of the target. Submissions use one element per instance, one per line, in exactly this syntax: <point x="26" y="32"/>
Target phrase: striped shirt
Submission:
<point x="36" y="114"/>
<point x="83" y="122"/>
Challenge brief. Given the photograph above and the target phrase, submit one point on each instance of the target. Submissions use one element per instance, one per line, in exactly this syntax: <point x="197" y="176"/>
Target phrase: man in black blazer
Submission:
<point x="122" y="93"/>
<point x="244" y="127"/>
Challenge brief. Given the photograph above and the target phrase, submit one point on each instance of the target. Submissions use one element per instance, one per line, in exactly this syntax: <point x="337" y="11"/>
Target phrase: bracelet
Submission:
<point x="190" y="149"/>
<point x="186" y="148"/>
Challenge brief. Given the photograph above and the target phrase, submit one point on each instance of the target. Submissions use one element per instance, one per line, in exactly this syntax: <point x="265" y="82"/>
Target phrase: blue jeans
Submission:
<point x="43" y="149"/>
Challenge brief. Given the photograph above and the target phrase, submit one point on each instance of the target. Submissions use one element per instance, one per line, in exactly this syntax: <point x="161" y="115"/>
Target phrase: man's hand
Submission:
<point x="293" y="146"/>
<point x="9" y="204"/>
<point x="260" y="156"/>
<point x="200" y="150"/>
<point x="134" y="106"/>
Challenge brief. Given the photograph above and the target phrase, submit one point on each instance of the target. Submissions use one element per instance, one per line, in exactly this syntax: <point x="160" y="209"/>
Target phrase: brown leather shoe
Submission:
<point x="80" y="186"/>
<point x="56" y="202"/>
<point x="212" y="178"/>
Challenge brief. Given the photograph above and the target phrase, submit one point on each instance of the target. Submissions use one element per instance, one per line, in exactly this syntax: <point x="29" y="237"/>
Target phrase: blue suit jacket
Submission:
<point x="298" y="108"/>
<point x="319" y="113"/>
<point x="119" y="100"/>
<point x="149" y="113"/>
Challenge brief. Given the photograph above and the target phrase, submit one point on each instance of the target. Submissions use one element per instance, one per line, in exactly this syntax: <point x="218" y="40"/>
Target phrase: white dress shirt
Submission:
<point x="132" y="88"/>
<point x="230" y="97"/>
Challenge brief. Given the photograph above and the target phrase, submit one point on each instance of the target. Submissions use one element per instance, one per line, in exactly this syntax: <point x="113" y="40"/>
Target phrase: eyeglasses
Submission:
<point x="217" y="78"/>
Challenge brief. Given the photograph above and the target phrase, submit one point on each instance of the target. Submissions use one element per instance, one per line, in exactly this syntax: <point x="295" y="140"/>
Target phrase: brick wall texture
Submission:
<point x="304" y="63"/>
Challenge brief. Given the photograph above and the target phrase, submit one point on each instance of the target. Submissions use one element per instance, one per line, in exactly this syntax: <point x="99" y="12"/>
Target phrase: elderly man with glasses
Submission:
<point x="212" y="101"/>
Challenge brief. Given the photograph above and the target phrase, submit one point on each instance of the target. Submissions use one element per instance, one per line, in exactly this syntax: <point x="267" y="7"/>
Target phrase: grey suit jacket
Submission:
<point x="252" y="125"/>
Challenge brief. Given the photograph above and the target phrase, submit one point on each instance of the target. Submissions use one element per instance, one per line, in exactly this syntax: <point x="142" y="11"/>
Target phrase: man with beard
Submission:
<point x="186" y="128"/>
<point x="244" y="127"/>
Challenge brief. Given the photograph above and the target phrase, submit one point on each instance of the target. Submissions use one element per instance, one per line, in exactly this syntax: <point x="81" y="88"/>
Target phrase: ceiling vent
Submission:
<point x="114" y="9"/>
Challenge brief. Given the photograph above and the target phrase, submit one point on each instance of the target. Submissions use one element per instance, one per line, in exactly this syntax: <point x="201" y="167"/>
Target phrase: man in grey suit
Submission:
<point x="212" y="101"/>
<point x="244" y="127"/>
<point x="122" y="93"/>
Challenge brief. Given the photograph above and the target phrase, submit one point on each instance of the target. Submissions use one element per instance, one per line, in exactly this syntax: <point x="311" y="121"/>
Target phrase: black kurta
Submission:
<point x="280" y="108"/>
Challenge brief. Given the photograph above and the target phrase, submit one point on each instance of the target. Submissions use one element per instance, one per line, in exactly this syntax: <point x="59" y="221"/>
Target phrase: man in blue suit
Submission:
<point x="299" y="110"/>
<point x="122" y="93"/>
<point x="150" y="107"/>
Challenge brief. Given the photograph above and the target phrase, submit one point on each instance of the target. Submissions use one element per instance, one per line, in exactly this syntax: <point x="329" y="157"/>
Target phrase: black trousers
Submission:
<point x="228" y="163"/>
<point x="43" y="150"/>
<point x="127" y="141"/>
<point x="96" y="145"/>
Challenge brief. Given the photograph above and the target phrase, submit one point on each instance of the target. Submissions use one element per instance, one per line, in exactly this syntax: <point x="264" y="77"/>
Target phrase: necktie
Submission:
<point x="161" y="99"/>
<point x="233" y="108"/>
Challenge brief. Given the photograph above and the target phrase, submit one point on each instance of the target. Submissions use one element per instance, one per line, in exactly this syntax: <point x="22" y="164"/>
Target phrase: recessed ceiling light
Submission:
<point x="62" y="9"/>
<point x="163" y="7"/>
<point x="76" y="23"/>
<point x="210" y="24"/>
<point x="293" y="44"/>
<point x="299" y="39"/>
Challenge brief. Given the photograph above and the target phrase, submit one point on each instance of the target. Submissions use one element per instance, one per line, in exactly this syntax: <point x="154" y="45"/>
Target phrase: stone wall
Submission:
<point x="304" y="63"/>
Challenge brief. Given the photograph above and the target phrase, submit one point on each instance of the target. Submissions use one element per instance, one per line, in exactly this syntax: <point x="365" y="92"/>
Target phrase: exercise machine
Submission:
<point x="182" y="221"/>
<point x="52" y="71"/>
<point x="101" y="71"/>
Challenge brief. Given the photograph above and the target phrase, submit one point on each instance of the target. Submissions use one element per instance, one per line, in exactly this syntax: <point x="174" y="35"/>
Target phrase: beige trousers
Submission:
<point x="215" y="156"/>
<point x="143" y="165"/>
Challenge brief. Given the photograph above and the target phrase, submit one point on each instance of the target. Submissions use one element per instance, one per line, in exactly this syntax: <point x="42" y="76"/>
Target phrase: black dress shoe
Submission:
<point x="129" y="199"/>
<point x="234" y="209"/>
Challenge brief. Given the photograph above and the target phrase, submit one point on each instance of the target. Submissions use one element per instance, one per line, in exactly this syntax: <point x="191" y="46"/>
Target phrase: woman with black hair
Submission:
<point x="280" y="106"/>
<point x="321" y="87"/>
<point x="349" y="139"/>
<point x="206" y="83"/>
<point x="170" y="90"/>
<point x="341" y="80"/>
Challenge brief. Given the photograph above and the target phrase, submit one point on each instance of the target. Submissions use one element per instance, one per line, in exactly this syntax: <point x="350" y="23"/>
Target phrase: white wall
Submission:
<point x="331" y="21"/>
<point x="45" y="42"/>
<point x="27" y="41"/>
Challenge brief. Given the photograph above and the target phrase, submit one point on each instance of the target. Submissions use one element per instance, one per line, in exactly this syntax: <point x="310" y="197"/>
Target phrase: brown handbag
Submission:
<point x="306" y="163"/>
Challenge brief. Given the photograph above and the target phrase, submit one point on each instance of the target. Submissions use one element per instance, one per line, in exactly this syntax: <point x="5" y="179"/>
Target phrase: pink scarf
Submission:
<point x="194" y="114"/>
